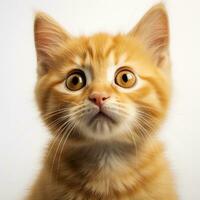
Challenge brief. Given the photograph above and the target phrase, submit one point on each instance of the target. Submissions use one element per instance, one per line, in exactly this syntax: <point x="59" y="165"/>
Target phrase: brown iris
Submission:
<point x="75" y="80"/>
<point x="125" y="78"/>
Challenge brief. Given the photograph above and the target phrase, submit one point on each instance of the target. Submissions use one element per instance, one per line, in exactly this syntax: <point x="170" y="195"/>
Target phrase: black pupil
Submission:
<point x="75" y="80"/>
<point x="125" y="78"/>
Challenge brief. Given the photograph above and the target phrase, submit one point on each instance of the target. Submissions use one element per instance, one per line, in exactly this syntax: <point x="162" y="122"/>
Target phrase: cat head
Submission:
<point x="104" y="86"/>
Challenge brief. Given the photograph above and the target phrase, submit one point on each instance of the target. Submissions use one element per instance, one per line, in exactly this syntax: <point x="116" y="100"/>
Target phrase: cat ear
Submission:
<point x="153" y="32"/>
<point x="49" y="38"/>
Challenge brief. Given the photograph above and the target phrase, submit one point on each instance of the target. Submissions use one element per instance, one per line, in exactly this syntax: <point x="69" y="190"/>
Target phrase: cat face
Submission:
<point x="103" y="86"/>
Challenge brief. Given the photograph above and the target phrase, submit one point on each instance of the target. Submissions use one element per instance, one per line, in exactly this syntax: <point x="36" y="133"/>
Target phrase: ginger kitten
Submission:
<point x="103" y="98"/>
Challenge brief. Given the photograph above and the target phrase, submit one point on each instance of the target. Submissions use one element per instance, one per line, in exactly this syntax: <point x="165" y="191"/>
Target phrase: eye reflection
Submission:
<point x="125" y="78"/>
<point x="75" y="80"/>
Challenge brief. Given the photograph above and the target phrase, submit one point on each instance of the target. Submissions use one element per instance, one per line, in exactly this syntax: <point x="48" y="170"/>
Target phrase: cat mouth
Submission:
<point x="102" y="116"/>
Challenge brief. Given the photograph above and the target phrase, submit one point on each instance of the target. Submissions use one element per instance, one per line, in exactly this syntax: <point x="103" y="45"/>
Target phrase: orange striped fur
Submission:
<point x="120" y="159"/>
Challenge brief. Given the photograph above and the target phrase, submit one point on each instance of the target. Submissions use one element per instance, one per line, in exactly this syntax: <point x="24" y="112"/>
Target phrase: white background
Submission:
<point x="23" y="137"/>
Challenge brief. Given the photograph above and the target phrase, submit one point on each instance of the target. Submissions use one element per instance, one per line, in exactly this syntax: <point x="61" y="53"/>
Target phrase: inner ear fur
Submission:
<point x="49" y="38"/>
<point x="153" y="31"/>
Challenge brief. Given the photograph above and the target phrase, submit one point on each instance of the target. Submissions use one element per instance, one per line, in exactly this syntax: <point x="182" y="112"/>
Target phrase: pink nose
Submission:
<point x="98" y="98"/>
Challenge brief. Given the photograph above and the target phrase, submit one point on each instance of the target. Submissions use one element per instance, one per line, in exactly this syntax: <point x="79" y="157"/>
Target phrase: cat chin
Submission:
<point x="102" y="130"/>
<point x="104" y="126"/>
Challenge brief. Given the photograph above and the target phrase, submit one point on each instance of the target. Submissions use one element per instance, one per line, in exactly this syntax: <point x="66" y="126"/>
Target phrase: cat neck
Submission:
<point x="100" y="151"/>
<point x="89" y="155"/>
<point x="101" y="166"/>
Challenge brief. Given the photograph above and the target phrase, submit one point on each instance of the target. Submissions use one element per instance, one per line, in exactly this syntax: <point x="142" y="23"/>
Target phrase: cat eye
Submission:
<point x="75" y="80"/>
<point x="125" y="78"/>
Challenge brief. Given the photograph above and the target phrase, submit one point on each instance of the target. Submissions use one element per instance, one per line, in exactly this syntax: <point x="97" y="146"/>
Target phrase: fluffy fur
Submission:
<point x="94" y="158"/>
